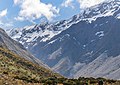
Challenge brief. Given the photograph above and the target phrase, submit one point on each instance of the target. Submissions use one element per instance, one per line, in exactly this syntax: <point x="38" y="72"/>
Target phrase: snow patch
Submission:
<point x="100" y="34"/>
<point x="118" y="16"/>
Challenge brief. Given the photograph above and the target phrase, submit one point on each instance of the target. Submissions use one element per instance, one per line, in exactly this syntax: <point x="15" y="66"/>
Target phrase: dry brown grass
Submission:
<point x="15" y="70"/>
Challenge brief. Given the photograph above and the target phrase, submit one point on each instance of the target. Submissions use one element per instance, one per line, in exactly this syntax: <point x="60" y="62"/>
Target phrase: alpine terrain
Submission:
<point x="88" y="44"/>
<point x="18" y="67"/>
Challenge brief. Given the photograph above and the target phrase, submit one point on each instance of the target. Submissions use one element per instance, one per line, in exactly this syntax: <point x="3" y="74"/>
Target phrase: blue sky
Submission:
<point x="19" y="13"/>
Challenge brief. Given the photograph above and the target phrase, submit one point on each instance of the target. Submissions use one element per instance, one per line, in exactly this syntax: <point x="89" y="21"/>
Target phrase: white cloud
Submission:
<point x="19" y="18"/>
<point x="89" y="3"/>
<point x="1" y="23"/>
<point x="17" y="1"/>
<point x="3" y="13"/>
<point x="35" y="9"/>
<point x="68" y="3"/>
<point x="6" y="25"/>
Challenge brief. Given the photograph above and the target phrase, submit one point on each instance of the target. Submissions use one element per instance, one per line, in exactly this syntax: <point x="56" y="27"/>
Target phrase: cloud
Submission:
<point x="6" y="25"/>
<point x="1" y="23"/>
<point x="4" y="21"/>
<point x="35" y="9"/>
<point x="17" y="1"/>
<point x="89" y="3"/>
<point x="19" y="18"/>
<point x="3" y="13"/>
<point x="68" y="3"/>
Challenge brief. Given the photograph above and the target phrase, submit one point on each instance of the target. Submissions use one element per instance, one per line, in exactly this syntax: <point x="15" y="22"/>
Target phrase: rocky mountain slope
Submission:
<point x="17" y="48"/>
<point x="85" y="45"/>
<point x="18" y="67"/>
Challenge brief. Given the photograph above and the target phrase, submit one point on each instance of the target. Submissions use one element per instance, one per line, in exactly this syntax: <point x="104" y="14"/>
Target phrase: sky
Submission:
<point x="20" y="13"/>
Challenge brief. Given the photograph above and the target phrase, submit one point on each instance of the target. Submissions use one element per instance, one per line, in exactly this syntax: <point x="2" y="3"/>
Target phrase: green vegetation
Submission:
<point x="15" y="70"/>
<point x="80" y="81"/>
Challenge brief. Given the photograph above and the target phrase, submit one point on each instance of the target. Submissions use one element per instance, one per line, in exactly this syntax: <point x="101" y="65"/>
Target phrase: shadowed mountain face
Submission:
<point x="84" y="45"/>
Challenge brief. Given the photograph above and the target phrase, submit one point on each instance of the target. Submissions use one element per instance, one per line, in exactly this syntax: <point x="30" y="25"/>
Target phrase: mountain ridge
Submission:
<point x="75" y="43"/>
<point x="17" y="48"/>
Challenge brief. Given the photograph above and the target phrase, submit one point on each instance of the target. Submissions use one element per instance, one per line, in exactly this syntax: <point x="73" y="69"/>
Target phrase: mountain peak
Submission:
<point x="46" y="31"/>
<point x="79" y="42"/>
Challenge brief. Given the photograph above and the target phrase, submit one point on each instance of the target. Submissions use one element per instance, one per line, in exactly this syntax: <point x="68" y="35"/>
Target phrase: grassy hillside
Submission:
<point x="16" y="70"/>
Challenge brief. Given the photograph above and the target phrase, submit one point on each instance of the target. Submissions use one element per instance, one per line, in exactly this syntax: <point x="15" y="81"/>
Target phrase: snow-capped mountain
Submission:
<point x="85" y="45"/>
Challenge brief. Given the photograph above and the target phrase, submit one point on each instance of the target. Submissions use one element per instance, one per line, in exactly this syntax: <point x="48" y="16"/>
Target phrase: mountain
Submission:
<point x="17" y="48"/>
<point x="18" y="67"/>
<point x="85" y="45"/>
